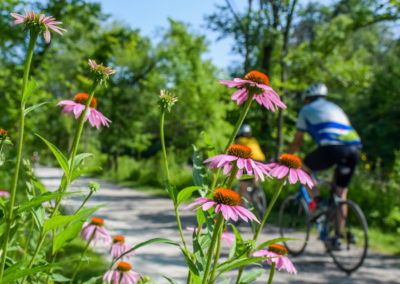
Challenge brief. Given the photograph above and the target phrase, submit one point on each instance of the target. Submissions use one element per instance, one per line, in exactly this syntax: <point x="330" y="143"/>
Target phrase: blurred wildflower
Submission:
<point x="368" y="166"/>
<point x="122" y="274"/>
<point x="278" y="254"/>
<point x="4" y="193"/>
<point x="240" y="156"/>
<point x="95" y="229"/>
<point x="291" y="164"/>
<point x="101" y="72"/>
<point x="77" y="106"/>
<point x="38" y="23"/>
<point x="255" y="83"/>
<point x="166" y="100"/>
<point x="363" y="156"/>
<point x="119" y="247"/>
<point x="94" y="186"/>
<point x="3" y="134"/>
<point x="226" y="201"/>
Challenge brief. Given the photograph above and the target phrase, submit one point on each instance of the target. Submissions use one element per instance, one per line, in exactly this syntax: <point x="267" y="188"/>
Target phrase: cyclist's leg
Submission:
<point x="349" y="156"/>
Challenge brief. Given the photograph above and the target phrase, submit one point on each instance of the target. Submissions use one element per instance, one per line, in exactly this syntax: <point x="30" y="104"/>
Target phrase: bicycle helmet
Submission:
<point x="244" y="129"/>
<point x="315" y="90"/>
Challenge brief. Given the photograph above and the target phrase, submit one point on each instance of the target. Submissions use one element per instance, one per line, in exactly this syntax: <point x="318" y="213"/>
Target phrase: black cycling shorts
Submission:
<point x="345" y="157"/>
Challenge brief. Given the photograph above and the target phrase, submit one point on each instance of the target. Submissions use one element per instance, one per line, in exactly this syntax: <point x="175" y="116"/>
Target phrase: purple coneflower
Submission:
<point x="291" y="164"/>
<point x="96" y="227"/>
<point x="278" y="254"/>
<point x="40" y="21"/>
<point x="258" y="83"/>
<point x="227" y="202"/>
<point x="119" y="247"/>
<point x="4" y="193"/>
<point x="77" y="106"/>
<point x="241" y="155"/>
<point x="122" y="272"/>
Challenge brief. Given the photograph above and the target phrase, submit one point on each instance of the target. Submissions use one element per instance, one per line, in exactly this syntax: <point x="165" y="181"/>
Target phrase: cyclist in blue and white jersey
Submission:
<point x="338" y="142"/>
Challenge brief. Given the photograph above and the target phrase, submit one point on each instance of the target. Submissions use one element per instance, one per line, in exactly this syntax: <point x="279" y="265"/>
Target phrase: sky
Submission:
<point x="148" y="16"/>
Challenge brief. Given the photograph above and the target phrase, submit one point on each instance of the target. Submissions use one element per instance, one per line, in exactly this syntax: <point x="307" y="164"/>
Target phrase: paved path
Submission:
<point x="140" y="217"/>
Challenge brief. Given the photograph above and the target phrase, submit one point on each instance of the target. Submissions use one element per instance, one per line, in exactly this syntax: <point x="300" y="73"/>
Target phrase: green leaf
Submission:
<point x="29" y="90"/>
<point x="251" y="276"/>
<point x="199" y="172"/>
<point x="192" y="267"/>
<point x="94" y="280"/>
<point x="78" y="173"/>
<point x="151" y="241"/>
<point x="211" y="151"/>
<point x="277" y="240"/>
<point x="32" y="108"/>
<point x="14" y="274"/>
<point x="60" y="220"/>
<point x="78" y="160"/>
<point x="199" y="254"/>
<point x="59" y="278"/>
<point x="201" y="219"/>
<point x="240" y="246"/>
<point x="64" y="237"/>
<point x="186" y="193"/>
<point x="38" y="216"/>
<point x="62" y="160"/>
<point x="232" y="264"/>
<point x="38" y="200"/>
<point x="170" y="280"/>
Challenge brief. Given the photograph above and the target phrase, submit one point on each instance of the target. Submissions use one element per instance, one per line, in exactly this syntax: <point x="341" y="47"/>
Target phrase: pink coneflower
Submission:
<point x="100" y="68"/>
<point x="39" y="21"/>
<point x="241" y="156"/>
<point x="122" y="272"/>
<point x="226" y="201"/>
<point x="291" y="164"/>
<point x="119" y="247"/>
<point x="77" y="106"/>
<point x="278" y="254"/>
<point x="96" y="227"/>
<point x="4" y="193"/>
<point x="258" y="83"/>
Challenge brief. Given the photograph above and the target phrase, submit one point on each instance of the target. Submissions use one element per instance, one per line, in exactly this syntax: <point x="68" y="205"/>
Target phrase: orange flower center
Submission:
<point x="123" y="266"/>
<point x="257" y="77"/>
<point x="117" y="239"/>
<point x="97" y="221"/>
<point x="281" y="250"/>
<point x="82" y="98"/>
<point x="226" y="196"/>
<point x="3" y="132"/>
<point x="290" y="161"/>
<point x="239" y="151"/>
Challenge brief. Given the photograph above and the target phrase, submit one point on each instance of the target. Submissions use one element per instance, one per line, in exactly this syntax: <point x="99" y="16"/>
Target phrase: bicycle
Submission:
<point x="254" y="197"/>
<point x="296" y="218"/>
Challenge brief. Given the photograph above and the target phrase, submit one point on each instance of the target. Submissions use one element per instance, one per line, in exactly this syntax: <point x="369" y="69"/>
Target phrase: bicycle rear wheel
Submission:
<point x="293" y="223"/>
<point x="347" y="235"/>
<point x="258" y="200"/>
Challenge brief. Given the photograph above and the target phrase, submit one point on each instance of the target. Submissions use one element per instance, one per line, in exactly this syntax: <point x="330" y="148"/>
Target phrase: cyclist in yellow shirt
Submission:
<point x="245" y="138"/>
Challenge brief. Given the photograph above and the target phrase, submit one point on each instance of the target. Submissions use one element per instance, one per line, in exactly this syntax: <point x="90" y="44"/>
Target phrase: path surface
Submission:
<point x="139" y="217"/>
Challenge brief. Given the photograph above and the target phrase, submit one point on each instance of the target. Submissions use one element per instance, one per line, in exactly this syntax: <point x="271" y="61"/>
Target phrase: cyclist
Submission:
<point x="245" y="138"/>
<point x="338" y="143"/>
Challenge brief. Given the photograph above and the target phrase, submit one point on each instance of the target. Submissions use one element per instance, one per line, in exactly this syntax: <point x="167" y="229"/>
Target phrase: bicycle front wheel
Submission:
<point x="257" y="197"/>
<point x="347" y="235"/>
<point x="293" y="223"/>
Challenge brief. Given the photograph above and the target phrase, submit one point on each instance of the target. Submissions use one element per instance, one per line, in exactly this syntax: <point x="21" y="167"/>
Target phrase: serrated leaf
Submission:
<point x="32" y="108"/>
<point x="28" y="91"/>
<point x="186" y="193"/>
<point x="62" y="160"/>
<point x="38" y="216"/>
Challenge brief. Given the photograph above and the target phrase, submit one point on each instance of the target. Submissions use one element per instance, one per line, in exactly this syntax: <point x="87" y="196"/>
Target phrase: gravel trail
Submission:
<point x="139" y="217"/>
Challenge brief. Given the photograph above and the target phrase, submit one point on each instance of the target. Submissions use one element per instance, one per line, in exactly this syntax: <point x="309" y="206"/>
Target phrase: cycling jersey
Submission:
<point x="327" y="124"/>
<point x="252" y="143"/>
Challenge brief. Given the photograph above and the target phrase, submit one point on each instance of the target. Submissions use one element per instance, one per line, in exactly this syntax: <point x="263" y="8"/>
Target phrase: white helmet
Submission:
<point x="317" y="89"/>
<point x="244" y="129"/>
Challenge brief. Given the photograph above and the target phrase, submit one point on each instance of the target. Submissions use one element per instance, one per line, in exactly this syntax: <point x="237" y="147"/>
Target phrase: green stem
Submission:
<point x="239" y="123"/>
<point x="84" y="202"/>
<point x="232" y="176"/>
<point x="66" y="179"/>
<point x="260" y="227"/>
<point x="178" y="219"/>
<point x="271" y="272"/>
<point x="217" y="228"/>
<point x="164" y="151"/>
<point x="82" y="255"/>
<point x="27" y="67"/>
<point x="217" y="253"/>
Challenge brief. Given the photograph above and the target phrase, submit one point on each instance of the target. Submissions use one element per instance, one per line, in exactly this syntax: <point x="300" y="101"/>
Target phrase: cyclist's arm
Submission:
<point x="297" y="142"/>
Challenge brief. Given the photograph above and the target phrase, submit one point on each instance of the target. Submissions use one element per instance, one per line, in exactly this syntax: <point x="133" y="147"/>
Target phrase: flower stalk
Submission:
<point x="271" y="272"/>
<point x="28" y="60"/>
